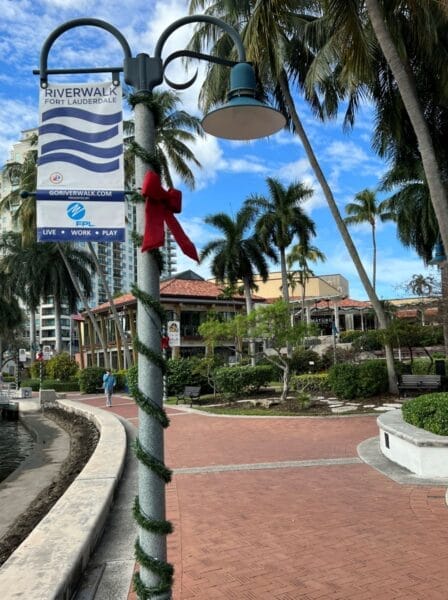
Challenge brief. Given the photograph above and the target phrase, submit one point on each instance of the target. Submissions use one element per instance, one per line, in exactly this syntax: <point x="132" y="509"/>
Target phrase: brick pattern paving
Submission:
<point x="338" y="532"/>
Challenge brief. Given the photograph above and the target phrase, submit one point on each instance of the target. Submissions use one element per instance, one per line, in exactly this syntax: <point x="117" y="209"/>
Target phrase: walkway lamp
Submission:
<point x="242" y="118"/>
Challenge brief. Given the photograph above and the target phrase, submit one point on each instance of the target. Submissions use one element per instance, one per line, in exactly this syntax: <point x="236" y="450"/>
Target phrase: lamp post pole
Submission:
<point x="242" y="118"/>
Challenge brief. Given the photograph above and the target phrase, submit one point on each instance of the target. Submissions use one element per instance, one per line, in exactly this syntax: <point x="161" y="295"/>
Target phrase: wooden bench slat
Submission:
<point x="191" y="392"/>
<point x="419" y="382"/>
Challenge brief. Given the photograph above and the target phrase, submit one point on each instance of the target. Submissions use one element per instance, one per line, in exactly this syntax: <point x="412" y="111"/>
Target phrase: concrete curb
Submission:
<point x="48" y="563"/>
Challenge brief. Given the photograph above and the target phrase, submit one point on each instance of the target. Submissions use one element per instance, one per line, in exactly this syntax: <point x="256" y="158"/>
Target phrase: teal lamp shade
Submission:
<point x="243" y="117"/>
<point x="439" y="254"/>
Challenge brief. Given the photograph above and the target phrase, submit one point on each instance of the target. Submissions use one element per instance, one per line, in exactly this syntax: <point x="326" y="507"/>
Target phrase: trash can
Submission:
<point x="439" y="367"/>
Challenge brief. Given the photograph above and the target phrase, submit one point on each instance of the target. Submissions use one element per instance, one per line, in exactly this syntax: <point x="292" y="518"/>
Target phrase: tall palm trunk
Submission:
<point x="405" y="82"/>
<point x="285" y="291"/>
<point x="86" y="307"/>
<point x="284" y="272"/>
<point x="303" y="281"/>
<point x="376" y="304"/>
<point x="443" y="304"/>
<point x="374" y="257"/>
<point x="127" y="354"/>
<point x="249" y="308"/>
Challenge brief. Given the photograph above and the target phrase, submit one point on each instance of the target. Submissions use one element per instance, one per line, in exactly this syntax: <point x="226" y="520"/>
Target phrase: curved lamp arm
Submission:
<point x="44" y="71"/>
<point x="202" y="19"/>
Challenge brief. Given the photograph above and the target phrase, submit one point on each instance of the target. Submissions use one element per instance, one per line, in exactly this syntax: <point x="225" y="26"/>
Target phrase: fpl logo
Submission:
<point x="76" y="211"/>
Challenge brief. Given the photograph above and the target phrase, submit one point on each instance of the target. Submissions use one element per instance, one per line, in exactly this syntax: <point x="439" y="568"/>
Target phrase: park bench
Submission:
<point x="190" y="393"/>
<point x="418" y="383"/>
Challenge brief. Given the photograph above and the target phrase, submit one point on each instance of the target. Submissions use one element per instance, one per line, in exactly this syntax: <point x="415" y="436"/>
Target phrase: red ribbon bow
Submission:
<point x="159" y="208"/>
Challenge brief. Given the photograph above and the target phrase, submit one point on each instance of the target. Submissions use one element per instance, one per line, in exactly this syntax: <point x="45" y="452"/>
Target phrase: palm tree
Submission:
<point x="271" y="34"/>
<point x="236" y="256"/>
<point x="281" y="219"/>
<point x="85" y="302"/>
<point x="38" y="271"/>
<point x="174" y="130"/>
<point x="11" y="314"/>
<point x="416" y="222"/>
<point x="20" y="267"/>
<point x="366" y="209"/>
<point x="302" y="255"/>
<point x="405" y="82"/>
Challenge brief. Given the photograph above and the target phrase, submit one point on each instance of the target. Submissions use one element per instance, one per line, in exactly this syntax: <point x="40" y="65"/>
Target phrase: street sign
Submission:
<point x="46" y="352"/>
<point x="174" y="333"/>
<point x="22" y="355"/>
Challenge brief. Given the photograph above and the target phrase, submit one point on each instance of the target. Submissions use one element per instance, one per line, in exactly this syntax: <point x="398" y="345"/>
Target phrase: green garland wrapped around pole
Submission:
<point x="243" y="117"/>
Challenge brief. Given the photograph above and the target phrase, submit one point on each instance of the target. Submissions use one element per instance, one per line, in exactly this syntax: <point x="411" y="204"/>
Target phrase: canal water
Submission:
<point x="16" y="444"/>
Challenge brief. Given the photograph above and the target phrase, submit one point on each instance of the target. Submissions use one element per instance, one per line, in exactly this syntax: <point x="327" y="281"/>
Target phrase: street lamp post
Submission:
<point x="242" y="118"/>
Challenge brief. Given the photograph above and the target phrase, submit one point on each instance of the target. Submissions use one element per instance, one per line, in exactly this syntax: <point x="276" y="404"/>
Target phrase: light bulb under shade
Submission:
<point x="243" y="118"/>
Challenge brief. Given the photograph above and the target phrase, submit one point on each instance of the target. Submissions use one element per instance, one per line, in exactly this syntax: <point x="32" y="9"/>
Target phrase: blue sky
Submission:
<point x="231" y="171"/>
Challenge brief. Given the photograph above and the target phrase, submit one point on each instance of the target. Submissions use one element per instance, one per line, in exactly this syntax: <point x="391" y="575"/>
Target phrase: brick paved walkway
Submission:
<point x="320" y="529"/>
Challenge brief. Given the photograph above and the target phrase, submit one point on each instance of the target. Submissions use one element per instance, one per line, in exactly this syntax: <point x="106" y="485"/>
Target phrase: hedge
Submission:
<point x="51" y="384"/>
<point x="429" y="412"/>
<point x="235" y="381"/>
<point x="349" y="380"/>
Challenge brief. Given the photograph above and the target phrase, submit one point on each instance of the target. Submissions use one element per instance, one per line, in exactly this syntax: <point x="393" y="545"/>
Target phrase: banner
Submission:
<point x="173" y="328"/>
<point x="80" y="175"/>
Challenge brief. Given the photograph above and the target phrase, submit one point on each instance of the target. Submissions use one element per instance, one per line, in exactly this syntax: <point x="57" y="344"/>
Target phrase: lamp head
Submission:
<point x="243" y="117"/>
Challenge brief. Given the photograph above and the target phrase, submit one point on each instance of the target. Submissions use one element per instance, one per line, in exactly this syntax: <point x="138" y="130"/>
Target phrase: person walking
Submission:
<point x="108" y="385"/>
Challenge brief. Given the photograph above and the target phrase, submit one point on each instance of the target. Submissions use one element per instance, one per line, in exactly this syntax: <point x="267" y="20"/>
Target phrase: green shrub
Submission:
<point x="34" y="384"/>
<point x="132" y="378"/>
<point x="342" y="379"/>
<point x="310" y="383"/>
<point x="120" y="378"/>
<point x="429" y="411"/>
<point x="431" y="335"/>
<point x="91" y="379"/>
<point x="35" y="369"/>
<point x="301" y="358"/>
<point x="235" y="381"/>
<point x="350" y="335"/>
<point x="372" y="378"/>
<point x="349" y="380"/>
<point x="363" y="380"/>
<point x="72" y="385"/>
<point x="61" y="367"/>
<point x="422" y="366"/>
<point x="369" y="341"/>
<point x="182" y="372"/>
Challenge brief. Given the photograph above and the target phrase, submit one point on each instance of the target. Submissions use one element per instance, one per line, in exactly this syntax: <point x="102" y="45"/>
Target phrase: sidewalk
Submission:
<point x="284" y="509"/>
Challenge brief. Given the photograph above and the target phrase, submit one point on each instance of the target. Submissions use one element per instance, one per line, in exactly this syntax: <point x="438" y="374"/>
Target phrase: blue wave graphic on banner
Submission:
<point x="79" y="113"/>
<point x="81" y="147"/>
<point x="79" y="135"/>
<point x="80" y="162"/>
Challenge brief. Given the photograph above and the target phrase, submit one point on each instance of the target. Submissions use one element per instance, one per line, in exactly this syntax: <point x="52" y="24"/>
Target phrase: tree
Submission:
<point x="271" y="33"/>
<point x="39" y="271"/>
<point x="174" y="129"/>
<point x="302" y="255"/>
<point x="366" y="209"/>
<point x="280" y="219"/>
<point x="11" y="316"/>
<point x="272" y="324"/>
<point x="405" y="82"/>
<point x="236" y="256"/>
